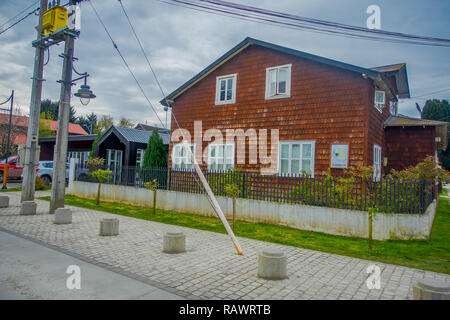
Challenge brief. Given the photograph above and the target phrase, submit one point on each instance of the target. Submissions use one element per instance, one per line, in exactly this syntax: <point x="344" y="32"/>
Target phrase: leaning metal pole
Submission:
<point x="60" y="153"/>
<point x="213" y="199"/>
<point x="30" y="163"/>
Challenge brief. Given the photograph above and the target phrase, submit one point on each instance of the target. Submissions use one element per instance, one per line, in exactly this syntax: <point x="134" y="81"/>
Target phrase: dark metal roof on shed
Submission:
<point x="140" y="136"/>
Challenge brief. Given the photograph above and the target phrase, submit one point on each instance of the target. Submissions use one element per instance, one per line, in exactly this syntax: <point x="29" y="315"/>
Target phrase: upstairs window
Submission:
<point x="226" y="89"/>
<point x="180" y="157"/>
<point x="379" y="100"/>
<point x="221" y="156"/>
<point x="278" y="82"/>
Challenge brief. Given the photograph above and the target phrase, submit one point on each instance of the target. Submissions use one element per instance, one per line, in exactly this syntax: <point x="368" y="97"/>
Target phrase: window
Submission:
<point x="296" y="156"/>
<point x="376" y="162"/>
<point x="278" y="82"/>
<point x="379" y="100"/>
<point x="81" y="156"/>
<point x="180" y="158"/>
<point x="140" y="157"/>
<point x="226" y="89"/>
<point x="220" y="156"/>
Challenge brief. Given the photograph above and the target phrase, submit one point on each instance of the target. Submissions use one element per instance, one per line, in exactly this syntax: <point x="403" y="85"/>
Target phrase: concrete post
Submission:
<point x="63" y="216"/>
<point x="109" y="227"/>
<point x="272" y="264"/>
<point x="28" y="208"/>
<point x="72" y="167"/>
<point x="174" y="242"/>
<point x="4" y="201"/>
<point x="29" y="171"/>
<point x="430" y="289"/>
<point x="60" y="153"/>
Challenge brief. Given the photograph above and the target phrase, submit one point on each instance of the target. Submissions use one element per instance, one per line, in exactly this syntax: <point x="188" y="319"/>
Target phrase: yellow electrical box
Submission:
<point x="54" y="19"/>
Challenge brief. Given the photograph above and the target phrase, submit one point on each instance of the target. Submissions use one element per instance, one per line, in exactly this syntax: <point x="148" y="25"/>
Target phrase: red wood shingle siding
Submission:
<point x="327" y="104"/>
<point x="406" y="147"/>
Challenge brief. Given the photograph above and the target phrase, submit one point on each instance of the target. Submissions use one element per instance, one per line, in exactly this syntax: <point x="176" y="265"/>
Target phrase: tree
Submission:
<point x="439" y="110"/>
<point x="153" y="185"/>
<point x="101" y="176"/>
<point x="88" y="122"/>
<point x="155" y="154"/>
<point x="45" y="129"/>
<point x="103" y="124"/>
<point x="125" y="123"/>
<point x="51" y="108"/>
<point x="232" y="190"/>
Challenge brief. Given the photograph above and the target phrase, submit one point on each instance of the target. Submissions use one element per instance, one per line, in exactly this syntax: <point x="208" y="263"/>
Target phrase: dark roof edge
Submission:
<point x="250" y="41"/>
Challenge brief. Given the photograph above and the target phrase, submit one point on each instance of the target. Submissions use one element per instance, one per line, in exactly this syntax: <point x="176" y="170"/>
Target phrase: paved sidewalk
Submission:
<point x="32" y="271"/>
<point x="210" y="269"/>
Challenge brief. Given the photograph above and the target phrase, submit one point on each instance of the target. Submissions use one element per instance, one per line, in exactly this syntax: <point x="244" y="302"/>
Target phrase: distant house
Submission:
<point x="78" y="147"/>
<point x="329" y="114"/>
<point x="19" y="136"/>
<point x="125" y="146"/>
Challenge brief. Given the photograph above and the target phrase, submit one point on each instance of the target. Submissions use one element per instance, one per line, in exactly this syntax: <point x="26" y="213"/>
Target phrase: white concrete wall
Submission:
<point x="322" y="219"/>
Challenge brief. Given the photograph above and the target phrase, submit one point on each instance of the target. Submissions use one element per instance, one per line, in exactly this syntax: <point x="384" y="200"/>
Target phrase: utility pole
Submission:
<point x="60" y="155"/>
<point x="29" y="171"/>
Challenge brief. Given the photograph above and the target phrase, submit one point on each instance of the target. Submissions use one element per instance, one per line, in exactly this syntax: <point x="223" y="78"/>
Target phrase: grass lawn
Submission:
<point x="20" y="189"/>
<point x="11" y="189"/>
<point x="433" y="255"/>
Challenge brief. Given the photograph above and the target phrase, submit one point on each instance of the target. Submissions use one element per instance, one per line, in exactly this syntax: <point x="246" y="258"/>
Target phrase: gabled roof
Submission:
<point x="373" y="74"/>
<point x="139" y="136"/>
<point x="146" y="127"/>
<point x="398" y="71"/>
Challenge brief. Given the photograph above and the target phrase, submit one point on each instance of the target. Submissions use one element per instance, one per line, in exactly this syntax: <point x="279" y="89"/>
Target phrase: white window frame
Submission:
<point x="219" y="79"/>
<point x="81" y="156"/>
<point x="176" y="160"/>
<point x="378" y="105"/>
<point x="377" y="158"/>
<point x="140" y="152"/>
<point x="216" y="157"/>
<point x="301" y="142"/>
<point x="277" y="94"/>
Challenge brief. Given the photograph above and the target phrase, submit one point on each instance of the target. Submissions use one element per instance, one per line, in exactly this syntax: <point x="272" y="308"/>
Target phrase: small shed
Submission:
<point x="126" y="146"/>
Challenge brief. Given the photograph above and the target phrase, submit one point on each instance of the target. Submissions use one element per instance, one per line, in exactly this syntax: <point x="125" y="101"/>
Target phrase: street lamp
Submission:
<point x="85" y="93"/>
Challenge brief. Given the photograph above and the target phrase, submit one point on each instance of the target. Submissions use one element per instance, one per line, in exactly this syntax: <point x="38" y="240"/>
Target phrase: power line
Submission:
<point x="18" y="14"/>
<point x="302" y="23"/>
<point x="157" y="81"/>
<point x="125" y="62"/>
<point x="23" y="18"/>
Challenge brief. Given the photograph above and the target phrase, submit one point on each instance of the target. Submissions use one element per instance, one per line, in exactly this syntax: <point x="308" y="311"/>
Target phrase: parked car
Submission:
<point x="13" y="170"/>
<point x="45" y="171"/>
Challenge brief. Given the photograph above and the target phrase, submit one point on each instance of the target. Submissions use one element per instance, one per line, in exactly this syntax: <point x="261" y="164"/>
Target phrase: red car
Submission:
<point x="13" y="171"/>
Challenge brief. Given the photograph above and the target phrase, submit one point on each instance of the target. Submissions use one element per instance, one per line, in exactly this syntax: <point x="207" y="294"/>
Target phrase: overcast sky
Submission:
<point x="181" y="42"/>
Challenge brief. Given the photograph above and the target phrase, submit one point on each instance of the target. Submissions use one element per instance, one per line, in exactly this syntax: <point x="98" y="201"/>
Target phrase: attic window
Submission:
<point x="226" y="89"/>
<point x="278" y="82"/>
<point x="379" y="100"/>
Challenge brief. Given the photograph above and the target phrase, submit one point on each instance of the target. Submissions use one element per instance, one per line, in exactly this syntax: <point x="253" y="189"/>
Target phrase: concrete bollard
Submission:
<point x="109" y="227"/>
<point x="62" y="216"/>
<point x="4" y="201"/>
<point x="28" y="208"/>
<point x="272" y="264"/>
<point x="174" y="242"/>
<point x="430" y="289"/>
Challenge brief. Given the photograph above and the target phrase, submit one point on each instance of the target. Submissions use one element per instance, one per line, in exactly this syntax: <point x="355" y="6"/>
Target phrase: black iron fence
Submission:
<point x="387" y="195"/>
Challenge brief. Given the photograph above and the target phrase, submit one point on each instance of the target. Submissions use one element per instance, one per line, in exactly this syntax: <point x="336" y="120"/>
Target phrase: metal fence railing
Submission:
<point x="387" y="195"/>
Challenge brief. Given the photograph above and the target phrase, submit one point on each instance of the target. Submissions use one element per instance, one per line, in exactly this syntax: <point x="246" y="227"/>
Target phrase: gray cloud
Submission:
<point x="181" y="42"/>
